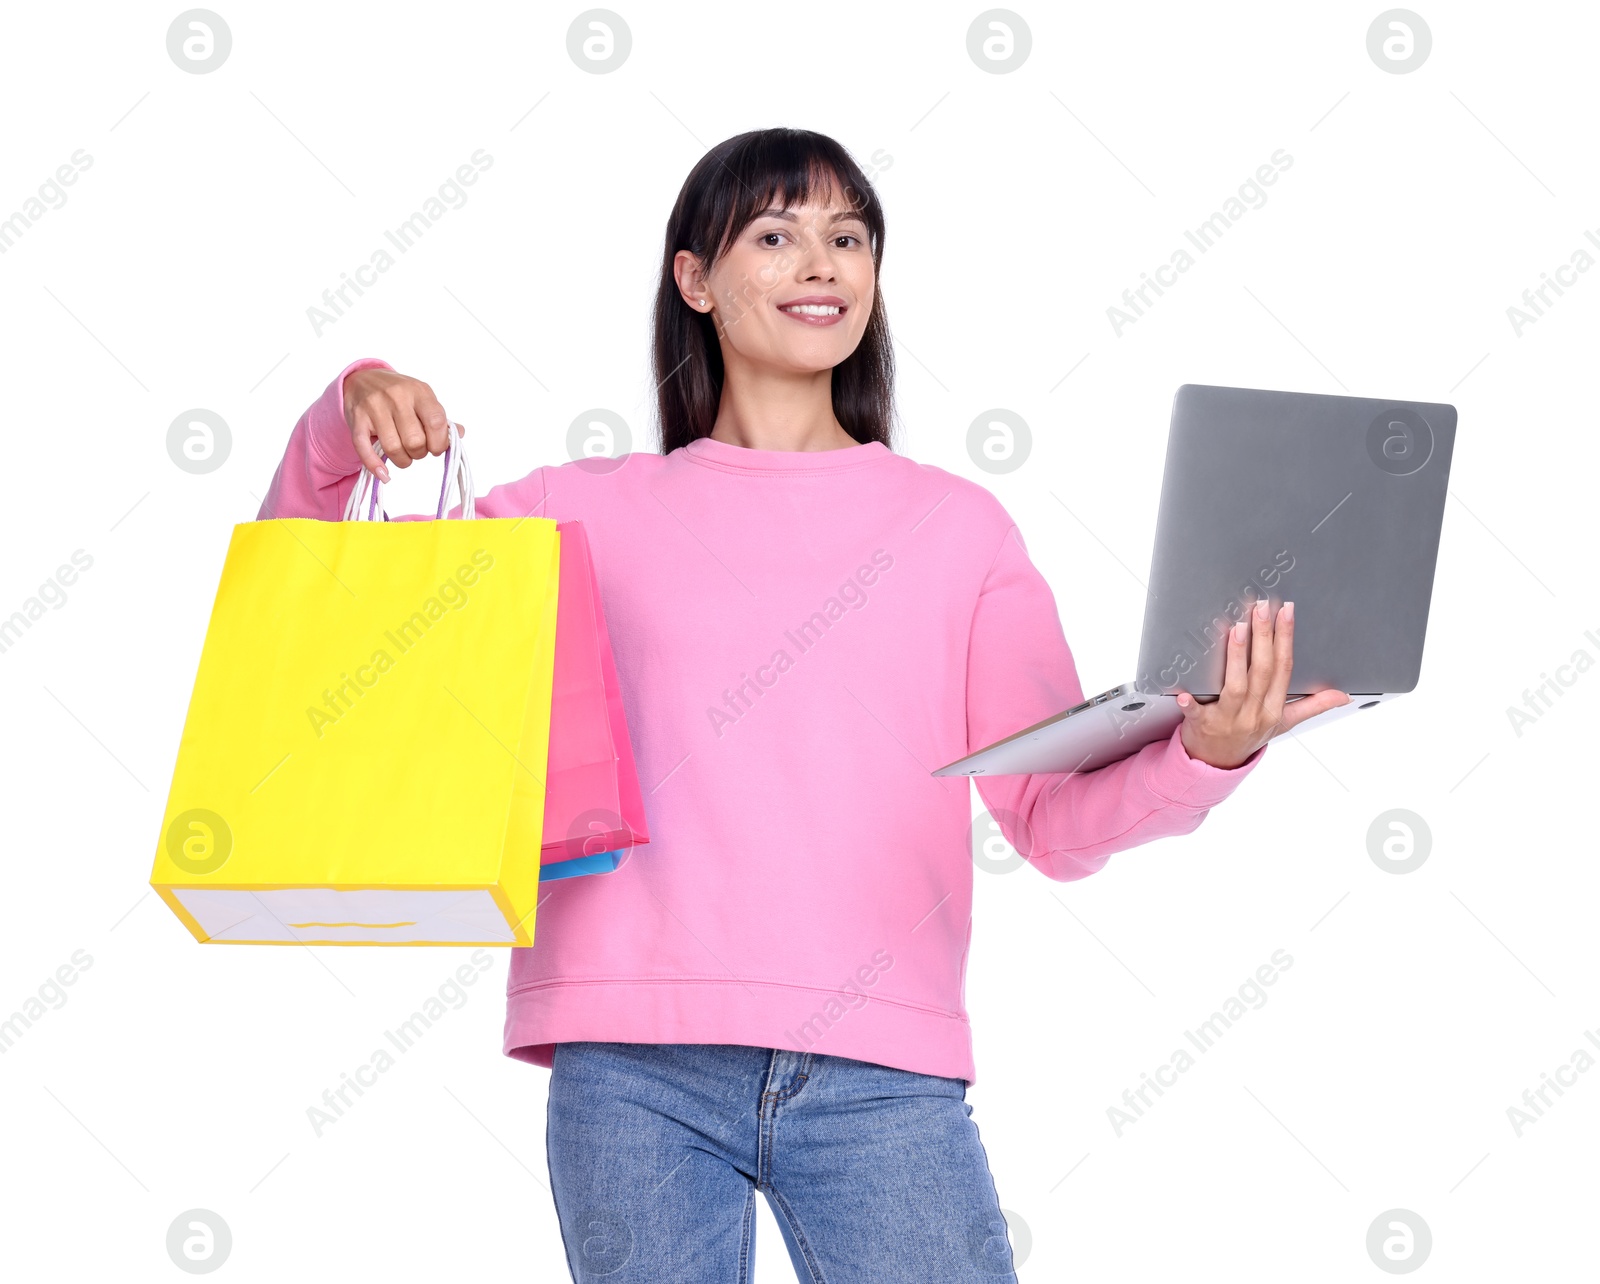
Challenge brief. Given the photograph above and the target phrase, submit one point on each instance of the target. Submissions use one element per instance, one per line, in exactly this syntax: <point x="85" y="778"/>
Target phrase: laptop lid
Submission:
<point x="1333" y="502"/>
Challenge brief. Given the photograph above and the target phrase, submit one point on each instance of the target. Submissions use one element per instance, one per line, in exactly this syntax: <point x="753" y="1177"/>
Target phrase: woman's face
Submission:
<point x="794" y="290"/>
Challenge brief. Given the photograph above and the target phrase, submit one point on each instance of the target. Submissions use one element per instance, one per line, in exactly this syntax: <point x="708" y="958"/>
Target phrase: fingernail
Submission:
<point x="1261" y="608"/>
<point x="1288" y="610"/>
<point x="1239" y="630"/>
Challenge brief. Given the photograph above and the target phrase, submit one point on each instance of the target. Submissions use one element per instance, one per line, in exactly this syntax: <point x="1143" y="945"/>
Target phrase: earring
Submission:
<point x="705" y="303"/>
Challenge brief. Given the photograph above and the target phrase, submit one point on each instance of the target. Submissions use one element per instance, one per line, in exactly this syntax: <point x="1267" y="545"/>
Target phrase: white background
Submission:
<point x="1419" y="206"/>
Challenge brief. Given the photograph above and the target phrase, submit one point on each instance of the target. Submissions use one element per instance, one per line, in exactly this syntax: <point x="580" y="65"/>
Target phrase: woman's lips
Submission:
<point x="814" y="314"/>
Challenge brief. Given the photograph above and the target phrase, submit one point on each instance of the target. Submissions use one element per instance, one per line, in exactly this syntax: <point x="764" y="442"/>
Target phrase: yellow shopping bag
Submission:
<point x="363" y="760"/>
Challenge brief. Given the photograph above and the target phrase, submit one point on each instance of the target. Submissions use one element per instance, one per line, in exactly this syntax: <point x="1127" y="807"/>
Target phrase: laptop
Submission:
<point x="1335" y="503"/>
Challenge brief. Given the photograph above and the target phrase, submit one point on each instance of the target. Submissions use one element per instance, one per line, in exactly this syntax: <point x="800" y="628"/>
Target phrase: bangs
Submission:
<point x="782" y="170"/>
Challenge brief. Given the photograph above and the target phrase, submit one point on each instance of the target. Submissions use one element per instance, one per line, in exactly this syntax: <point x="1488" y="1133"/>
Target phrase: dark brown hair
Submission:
<point x="731" y="184"/>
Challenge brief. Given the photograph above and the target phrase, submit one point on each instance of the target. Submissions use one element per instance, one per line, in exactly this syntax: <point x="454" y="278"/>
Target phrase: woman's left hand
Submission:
<point x="1251" y="708"/>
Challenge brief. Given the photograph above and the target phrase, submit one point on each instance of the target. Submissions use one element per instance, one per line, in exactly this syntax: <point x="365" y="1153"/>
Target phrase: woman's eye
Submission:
<point x="770" y="240"/>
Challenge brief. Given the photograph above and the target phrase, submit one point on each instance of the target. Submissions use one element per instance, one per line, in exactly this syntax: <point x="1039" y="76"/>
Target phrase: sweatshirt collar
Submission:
<point x="720" y="454"/>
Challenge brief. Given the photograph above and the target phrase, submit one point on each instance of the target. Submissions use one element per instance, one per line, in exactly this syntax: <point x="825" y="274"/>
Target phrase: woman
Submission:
<point x="770" y="995"/>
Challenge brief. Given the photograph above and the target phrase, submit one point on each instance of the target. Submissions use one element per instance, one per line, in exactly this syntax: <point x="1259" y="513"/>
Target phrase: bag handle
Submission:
<point x="364" y="503"/>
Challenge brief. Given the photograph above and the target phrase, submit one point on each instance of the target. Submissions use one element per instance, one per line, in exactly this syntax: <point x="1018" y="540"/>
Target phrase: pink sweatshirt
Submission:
<point x="801" y="638"/>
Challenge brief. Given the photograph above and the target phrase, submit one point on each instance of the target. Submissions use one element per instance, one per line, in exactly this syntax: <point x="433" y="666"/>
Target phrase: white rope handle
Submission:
<point x="364" y="504"/>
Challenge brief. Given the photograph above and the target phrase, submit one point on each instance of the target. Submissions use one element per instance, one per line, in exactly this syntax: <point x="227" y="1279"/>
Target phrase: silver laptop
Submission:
<point x="1335" y="503"/>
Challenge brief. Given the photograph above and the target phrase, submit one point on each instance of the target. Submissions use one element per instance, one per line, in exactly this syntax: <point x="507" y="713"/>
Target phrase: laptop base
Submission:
<point x="1106" y="728"/>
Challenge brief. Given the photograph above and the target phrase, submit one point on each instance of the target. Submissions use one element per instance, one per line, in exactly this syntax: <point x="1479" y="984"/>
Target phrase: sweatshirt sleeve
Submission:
<point x="320" y="465"/>
<point x="1019" y="672"/>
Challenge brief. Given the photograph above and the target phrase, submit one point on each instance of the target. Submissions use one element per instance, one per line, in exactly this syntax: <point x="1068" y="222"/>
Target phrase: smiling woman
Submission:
<point x="675" y="1000"/>
<point x="782" y="274"/>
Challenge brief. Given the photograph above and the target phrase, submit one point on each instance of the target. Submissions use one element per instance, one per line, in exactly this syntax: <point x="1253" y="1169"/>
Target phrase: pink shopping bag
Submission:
<point x="592" y="800"/>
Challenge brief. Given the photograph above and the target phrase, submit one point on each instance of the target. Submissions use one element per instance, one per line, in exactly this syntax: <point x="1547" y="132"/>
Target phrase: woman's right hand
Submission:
<point x="400" y="412"/>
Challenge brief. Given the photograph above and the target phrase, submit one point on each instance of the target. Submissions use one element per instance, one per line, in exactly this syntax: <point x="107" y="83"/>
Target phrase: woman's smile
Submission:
<point x="815" y="309"/>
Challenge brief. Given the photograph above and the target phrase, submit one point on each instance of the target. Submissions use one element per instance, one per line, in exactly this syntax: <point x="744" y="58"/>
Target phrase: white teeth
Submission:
<point x="813" y="309"/>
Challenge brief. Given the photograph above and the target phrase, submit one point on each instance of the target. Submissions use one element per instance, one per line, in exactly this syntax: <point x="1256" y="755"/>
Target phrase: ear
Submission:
<point x="689" y="273"/>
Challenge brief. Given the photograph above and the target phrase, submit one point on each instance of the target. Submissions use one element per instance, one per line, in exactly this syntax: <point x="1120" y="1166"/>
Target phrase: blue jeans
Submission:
<point x="876" y="1175"/>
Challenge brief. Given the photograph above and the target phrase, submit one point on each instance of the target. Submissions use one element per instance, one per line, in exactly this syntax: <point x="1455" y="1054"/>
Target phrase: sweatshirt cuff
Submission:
<point x="329" y="431"/>
<point x="1189" y="782"/>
